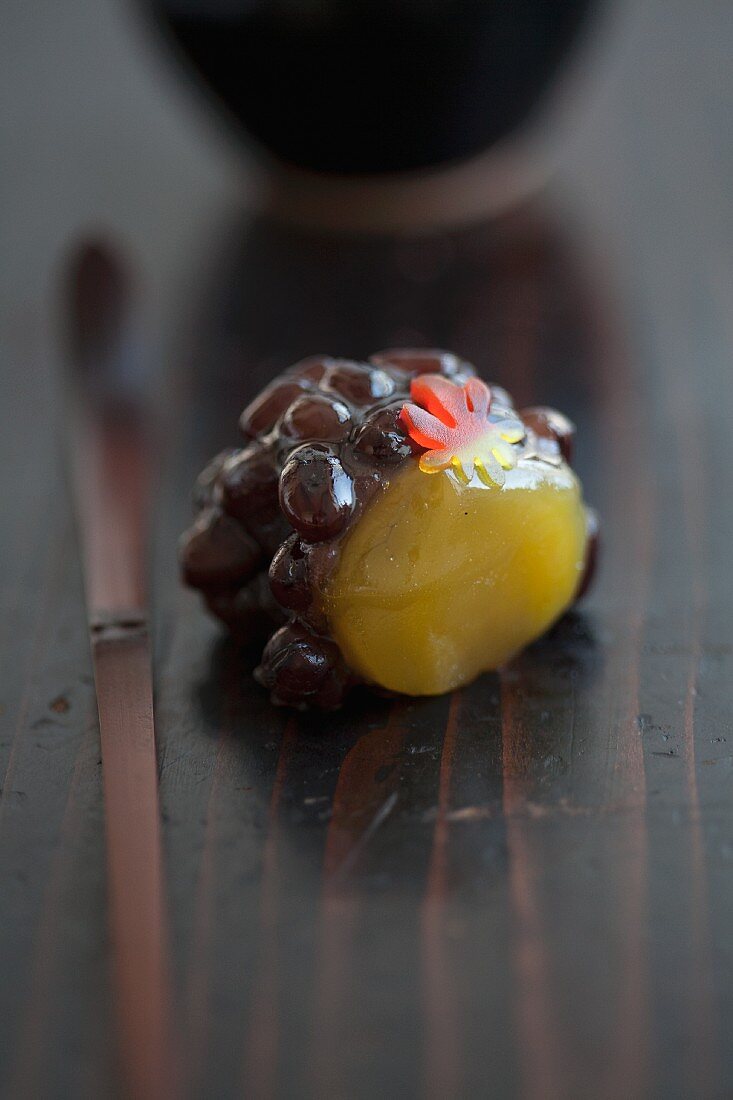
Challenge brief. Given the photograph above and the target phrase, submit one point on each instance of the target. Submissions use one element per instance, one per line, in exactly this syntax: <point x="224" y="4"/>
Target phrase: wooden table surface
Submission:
<point x="523" y="890"/>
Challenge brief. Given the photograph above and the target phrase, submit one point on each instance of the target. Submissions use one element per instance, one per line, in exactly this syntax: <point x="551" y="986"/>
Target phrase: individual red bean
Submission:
<point x="300" y="667"/>
<point x="248" y="611"/>
<point x="382" y="437"/>
<point x="218" y="553"/>
<point x="315" y="416"/>
<point x="269" y="533"/>
<point x="316" y="493"/>
<point x="262" y="414"/>
<point x="357" y="382"/>
<point x="313" y="368"/>
<point x="289" y="581"/>
<point x="206" y="486"/>
<point x="423" y="361"/>
<point x="249" y="484"/>
<point x="551" y="424"/>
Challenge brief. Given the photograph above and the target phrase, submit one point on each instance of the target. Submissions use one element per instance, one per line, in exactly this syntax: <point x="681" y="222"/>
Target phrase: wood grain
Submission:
<point x="521" y="891"/>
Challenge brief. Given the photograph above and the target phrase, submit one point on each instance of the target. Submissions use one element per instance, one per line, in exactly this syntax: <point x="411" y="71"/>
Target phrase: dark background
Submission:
<point x="523" y="890"/>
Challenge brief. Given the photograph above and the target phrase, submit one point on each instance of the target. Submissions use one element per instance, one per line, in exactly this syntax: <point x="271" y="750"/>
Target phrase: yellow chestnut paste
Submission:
<point x="439" y="580"/>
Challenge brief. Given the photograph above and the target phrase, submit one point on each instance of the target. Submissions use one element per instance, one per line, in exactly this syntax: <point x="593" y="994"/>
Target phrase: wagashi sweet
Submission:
<point x="396" y="522"/>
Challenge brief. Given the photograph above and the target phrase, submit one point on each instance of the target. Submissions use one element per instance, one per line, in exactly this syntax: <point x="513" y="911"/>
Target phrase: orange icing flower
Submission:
<point x="460" y="430"/>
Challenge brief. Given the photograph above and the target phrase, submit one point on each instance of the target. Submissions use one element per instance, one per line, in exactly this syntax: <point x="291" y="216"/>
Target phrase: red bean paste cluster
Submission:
<point x="320" y="441"/>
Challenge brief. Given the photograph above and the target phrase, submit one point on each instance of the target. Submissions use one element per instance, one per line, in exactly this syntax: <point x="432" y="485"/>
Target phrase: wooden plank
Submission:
<point x="524" y="890"/>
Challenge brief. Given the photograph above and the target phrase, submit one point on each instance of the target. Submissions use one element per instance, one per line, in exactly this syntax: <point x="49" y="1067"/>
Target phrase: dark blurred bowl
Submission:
<point x="373" y="86"/>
